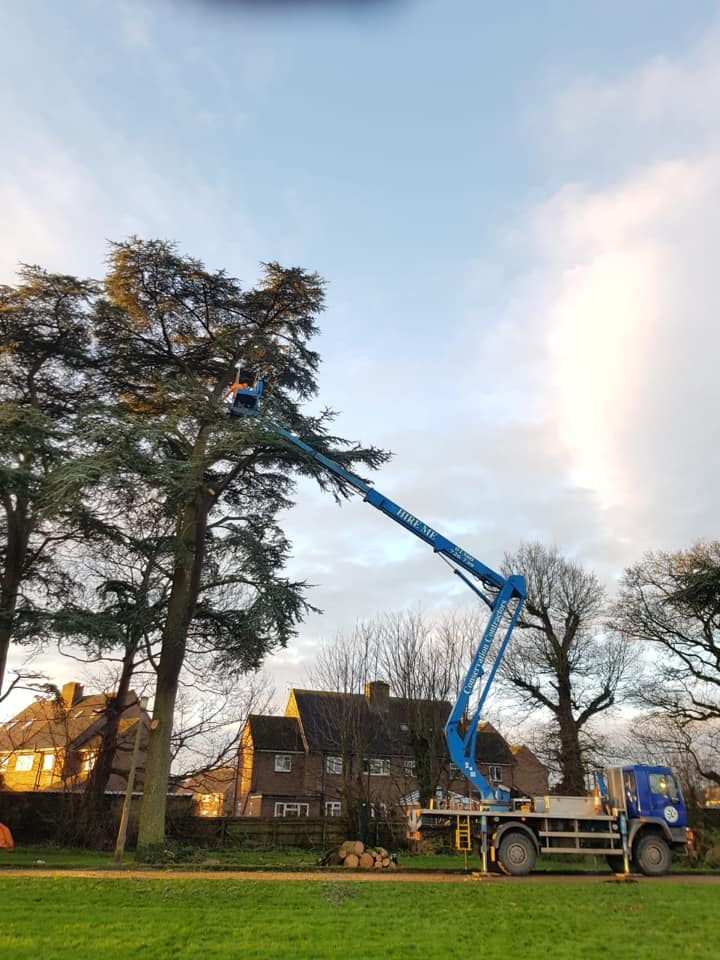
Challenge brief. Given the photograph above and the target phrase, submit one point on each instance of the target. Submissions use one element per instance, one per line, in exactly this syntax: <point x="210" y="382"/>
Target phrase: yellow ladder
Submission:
<point x="463" y="840"/>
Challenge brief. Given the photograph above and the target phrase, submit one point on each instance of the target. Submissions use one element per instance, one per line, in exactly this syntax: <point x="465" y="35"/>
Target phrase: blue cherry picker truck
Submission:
<point x="636" y="815"/>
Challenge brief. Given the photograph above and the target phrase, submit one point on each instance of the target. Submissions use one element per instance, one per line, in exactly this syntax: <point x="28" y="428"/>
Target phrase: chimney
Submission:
<point x="377" y="695"/>
<point x="71" y="693"/>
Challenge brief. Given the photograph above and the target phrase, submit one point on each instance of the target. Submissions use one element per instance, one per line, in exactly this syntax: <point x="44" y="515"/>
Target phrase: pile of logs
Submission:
<point x="353" y="854"/>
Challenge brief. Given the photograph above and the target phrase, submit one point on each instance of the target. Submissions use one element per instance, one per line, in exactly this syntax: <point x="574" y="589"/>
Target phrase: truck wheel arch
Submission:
<point x="517" y="826"/>
<point x="639" y="827"/>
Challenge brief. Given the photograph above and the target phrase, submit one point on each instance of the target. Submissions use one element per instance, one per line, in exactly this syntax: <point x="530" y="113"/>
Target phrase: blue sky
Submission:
<point x="516" y="210"/>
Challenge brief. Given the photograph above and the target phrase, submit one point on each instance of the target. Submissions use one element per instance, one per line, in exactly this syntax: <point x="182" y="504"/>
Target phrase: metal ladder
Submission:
<point x="463" y="840"/>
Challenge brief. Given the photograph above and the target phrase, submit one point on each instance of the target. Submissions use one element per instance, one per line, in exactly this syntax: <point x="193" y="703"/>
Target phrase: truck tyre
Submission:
<point x="516" y="854"/>
<point x="652" y="855"/>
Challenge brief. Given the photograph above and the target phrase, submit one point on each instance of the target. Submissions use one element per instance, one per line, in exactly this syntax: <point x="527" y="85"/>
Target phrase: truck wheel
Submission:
<point x="652" y="855"/>
<point x="516" y="854"/>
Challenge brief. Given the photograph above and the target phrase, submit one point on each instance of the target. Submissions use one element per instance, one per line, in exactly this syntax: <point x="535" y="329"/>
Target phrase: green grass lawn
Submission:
<point x="56" y="918"/>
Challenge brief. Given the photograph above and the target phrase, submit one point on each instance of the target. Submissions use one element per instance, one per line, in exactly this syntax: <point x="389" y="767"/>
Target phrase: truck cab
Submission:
<point x="653" y="793"/>
<point x="651" y="799"/>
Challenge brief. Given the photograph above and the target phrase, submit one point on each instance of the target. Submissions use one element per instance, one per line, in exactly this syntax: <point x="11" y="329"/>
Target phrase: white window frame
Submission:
<point x="334" y="765"/>
<point x="283" y="763"/>
<point x="333" y="808"/>
<point x="376" y="767"/>
<point x="48" y="761"/>
<point x="291" y="809"/>
<point x="410" y="767"/>
<point x="21" y="762"/>
<point x="495" y="772"/>
<point x="88" y="762"/>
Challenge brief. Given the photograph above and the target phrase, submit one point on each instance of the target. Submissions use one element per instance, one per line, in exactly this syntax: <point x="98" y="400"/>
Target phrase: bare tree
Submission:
<point x="671" y="602"/>
<point x="424" y="664"/>
<point x="562" y="659"/>
<point x="342" y="669"/>
<point x="210" y="714"/>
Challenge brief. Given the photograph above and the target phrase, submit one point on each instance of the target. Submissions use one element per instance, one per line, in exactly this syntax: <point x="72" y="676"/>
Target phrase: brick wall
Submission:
<point x="529" y="775"/>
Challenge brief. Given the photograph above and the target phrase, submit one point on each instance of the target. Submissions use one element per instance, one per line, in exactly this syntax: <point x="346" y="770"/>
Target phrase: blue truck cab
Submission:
<point x="653" y="793"/>
<point x="657" y="824"/>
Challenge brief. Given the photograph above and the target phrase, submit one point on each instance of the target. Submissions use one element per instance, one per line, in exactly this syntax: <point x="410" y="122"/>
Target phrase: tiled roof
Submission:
<point x="212" y="781"/>
<point x="332" y="721"/>
<point x="491" y="747"/>
<point x="50" y="725"/>
<point x="275" y="733"/>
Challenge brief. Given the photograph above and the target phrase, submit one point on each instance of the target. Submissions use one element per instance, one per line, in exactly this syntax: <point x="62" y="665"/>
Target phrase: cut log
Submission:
<point x="367" y="861"/>
<point x="351" y="860"/>
<point x="392" y="866"/>
<point x="358" y="848"/>
<point x="385" y="861"/>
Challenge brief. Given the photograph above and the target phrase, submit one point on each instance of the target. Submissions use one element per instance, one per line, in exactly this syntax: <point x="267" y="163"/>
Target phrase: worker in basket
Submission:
<point x="244" y="397"/>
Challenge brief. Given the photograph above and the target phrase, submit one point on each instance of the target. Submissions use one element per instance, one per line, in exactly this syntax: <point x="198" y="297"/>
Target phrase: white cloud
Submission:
<point x="658" y="109"/>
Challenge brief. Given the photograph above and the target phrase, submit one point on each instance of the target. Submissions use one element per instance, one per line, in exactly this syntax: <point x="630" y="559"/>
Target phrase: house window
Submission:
<point x="410" y="768"/>
<point x="88" y="763"/>
<point x="404" y="728"/>
<point x="333" y="808"/>
<point x="283" y="764"/>
<point x="48" y="761"/>
<point x="292" y="809"/>
<point x="378" y="810"/>
<point x="208" y="804"/>
<point x="376" y="767"/>
<point x="495" y="773"/>
<point x="24" y="762"/>
<point x="333" y="765"/>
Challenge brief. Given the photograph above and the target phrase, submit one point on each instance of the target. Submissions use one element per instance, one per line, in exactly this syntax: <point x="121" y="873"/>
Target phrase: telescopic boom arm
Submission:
<point x="505" y="598"/>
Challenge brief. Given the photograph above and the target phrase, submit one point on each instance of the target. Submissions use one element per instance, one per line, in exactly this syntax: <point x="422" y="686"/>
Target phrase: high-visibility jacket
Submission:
<point x="6" y="838"/>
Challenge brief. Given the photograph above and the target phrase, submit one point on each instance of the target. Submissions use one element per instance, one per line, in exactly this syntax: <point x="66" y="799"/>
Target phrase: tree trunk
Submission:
<point x="92" y="821"/>
<point x="571" y="760"/>
<point x="151" y="832"/>
<point x="189" y="556"/>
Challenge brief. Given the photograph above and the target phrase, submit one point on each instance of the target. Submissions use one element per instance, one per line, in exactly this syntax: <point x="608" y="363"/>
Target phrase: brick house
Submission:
<point x="213" y="792"/>
<point x="332" y="752"/>
<point x="52" y="743"/>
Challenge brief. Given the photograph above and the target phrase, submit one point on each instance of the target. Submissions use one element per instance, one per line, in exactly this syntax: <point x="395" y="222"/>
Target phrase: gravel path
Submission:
<point x="353" y="876"/>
